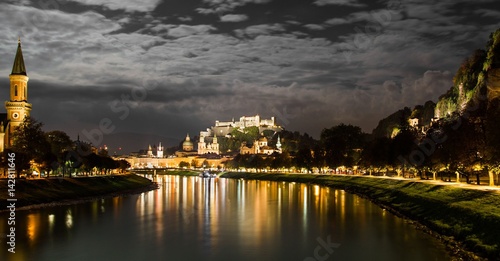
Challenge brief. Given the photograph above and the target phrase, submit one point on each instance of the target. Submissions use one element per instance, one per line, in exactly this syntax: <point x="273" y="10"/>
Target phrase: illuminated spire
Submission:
<point x="18" y="68"/>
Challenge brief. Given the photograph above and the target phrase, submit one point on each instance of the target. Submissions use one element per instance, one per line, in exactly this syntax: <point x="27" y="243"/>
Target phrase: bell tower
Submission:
<point x="17" y="107"/>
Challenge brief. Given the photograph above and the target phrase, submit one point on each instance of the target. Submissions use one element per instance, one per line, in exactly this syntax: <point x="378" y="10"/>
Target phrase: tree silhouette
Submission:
<point x="21" y="161"/>
<point x="341" y="144"/>
<point x="60" y="143"/>
<point x="29" y="140"/>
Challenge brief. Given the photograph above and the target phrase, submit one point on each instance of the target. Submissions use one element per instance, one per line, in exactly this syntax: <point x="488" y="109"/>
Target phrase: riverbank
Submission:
<point x="467" y="216"/>
<point x="40" y="192"/>
<point x="176" y="172"/>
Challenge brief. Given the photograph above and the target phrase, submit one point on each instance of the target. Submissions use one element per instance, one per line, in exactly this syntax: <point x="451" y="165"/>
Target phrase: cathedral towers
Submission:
<point x="204" y="148"/>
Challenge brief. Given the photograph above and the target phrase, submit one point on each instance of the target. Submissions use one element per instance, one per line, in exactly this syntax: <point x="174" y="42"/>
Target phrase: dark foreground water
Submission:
<point x="191" y="218"/>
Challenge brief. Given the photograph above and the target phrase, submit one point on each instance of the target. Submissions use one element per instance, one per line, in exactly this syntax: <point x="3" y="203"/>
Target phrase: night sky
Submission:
<point x="155" y="70"/>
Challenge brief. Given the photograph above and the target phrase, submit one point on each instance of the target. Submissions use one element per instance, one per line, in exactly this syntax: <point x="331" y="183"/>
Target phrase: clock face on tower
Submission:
<point x="15" y="115"/>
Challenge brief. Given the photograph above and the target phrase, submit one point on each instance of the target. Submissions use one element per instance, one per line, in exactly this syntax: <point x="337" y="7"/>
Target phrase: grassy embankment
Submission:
<point x="30" y="192"/>
<point x="470" y="217"/>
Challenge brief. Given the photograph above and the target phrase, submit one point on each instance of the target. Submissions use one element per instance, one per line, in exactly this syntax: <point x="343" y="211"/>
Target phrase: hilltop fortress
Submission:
<point x="207" y="152"/>
<point x="208" y="139"/>
<point x="223" y="128"/>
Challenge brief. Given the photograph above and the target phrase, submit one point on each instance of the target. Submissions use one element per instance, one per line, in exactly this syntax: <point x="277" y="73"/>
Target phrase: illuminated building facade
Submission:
<point x="207" y="148"/>
<point x="261" y="146"/>
<point x="223" y="128"/>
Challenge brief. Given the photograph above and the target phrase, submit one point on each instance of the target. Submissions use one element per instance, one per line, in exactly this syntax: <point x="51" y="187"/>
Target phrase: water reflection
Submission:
<point x="192" y="218"/>
<point x="51" y="223"/>
<point x="33" y="226"/>
<point x="69" y="219"/>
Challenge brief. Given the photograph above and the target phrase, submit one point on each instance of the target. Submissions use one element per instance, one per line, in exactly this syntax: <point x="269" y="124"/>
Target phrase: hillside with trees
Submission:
<point x="461" y="139"/>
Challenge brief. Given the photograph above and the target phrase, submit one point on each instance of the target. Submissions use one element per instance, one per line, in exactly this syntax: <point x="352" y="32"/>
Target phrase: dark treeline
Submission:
<point x="54" y="153"/>
<point x="458" y="145"/>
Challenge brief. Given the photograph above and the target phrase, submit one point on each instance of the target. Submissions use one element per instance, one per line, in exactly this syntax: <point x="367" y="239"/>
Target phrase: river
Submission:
<point x="192" y="218"/>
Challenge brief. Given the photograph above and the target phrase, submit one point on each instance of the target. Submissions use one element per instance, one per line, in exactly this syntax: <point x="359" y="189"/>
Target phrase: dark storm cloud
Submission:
<point x="177" y="66"/>
<point x="223" y="6"/>
<point x="354" y="3"/>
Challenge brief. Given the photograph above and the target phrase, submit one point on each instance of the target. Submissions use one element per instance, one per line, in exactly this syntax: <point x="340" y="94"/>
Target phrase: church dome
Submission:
<point x="187" y="145"/>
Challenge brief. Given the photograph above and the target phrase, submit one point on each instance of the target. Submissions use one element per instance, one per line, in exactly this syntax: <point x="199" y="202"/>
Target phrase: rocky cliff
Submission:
<point x="475" y="85"/>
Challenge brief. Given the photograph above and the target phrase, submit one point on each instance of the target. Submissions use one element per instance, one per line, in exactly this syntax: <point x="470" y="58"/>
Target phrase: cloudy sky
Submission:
<point x="142" y="71"/>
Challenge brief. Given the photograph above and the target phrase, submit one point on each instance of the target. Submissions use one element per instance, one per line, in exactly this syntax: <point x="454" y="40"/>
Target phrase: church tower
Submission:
<point x="278" y="145"/>
<point x="215" y="145"/>
<point x="202" y="145"/>
<point x="150" y="151"/>
<point x="17" y="107"/>
<point x="159" y="151"/>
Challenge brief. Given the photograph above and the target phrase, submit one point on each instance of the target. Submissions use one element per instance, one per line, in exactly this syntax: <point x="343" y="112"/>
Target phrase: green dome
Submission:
<point x="187" y="145"/>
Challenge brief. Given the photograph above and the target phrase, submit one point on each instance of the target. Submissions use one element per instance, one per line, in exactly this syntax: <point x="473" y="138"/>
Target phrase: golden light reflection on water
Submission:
<point x="33" y="225"/>
<point x="210" y="215"/>
<point x="256" y="207"/>
<point x="342" y="207"/>
<point x="280" y="196"/>
<point x="304" y="206"/>
<point x="117" y="204"/>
